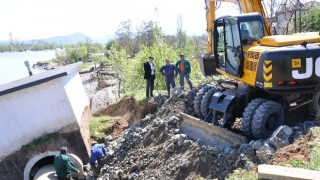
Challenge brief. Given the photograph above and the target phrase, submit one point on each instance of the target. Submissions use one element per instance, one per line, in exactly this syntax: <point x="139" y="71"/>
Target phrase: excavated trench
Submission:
<point x="126" y="113"/>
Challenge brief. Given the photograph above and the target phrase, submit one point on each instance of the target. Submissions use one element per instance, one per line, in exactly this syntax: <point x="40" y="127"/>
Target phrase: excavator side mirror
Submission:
<point x="208" y="65"/>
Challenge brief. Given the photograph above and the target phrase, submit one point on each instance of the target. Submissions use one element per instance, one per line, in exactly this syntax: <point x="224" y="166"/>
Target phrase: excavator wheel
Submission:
<point x="205" y="101"/>
<point x="267" y="118"/>
<point x="248" y="115"/>
<point x="314" y="106"/>
<point x="197" y="100"/>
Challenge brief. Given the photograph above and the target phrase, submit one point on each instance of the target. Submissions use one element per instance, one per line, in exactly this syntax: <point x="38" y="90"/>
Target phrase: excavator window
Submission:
<point x="220" y="45"/>
<point x="233" y="46"/>
<point x="251" y="31"/>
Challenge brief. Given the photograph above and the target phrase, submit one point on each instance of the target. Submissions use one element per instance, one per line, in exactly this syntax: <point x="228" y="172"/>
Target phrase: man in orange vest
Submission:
<point x="184" y="68"/>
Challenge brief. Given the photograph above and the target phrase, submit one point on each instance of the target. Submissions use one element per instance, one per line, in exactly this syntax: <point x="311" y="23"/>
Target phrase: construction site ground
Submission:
<point x="145" y="143"/>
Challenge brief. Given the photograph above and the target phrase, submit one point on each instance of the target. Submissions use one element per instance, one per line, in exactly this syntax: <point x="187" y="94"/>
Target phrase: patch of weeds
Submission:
<point x="41" y="140"/>
<point x="317" y="131"/>
<point x="139" y="96"/>
<point x="43" y="62"/>
<point x="243" y="175"/>
<point x="84" y="66"/>
<point x="98" y="127"/>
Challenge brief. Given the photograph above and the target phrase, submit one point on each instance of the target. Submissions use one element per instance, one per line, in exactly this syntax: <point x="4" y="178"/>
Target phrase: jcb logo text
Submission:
<point x="309" y="69"/>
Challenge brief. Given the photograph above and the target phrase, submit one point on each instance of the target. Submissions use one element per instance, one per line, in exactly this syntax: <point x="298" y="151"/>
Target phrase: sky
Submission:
<point x="37" y="19"/>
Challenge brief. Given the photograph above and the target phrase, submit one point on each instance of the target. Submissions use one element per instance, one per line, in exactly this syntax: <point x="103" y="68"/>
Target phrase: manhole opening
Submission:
<point x="42" y="162"/>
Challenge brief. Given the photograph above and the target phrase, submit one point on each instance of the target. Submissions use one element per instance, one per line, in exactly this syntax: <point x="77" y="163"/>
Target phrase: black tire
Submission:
<point x="267" y="118"/>
<point x="205" y="101"/>
<point x="314" y="107"/>
<point x="191" y="96"/>
<point x="248" y="115"/>
<point x="198" y="98"/>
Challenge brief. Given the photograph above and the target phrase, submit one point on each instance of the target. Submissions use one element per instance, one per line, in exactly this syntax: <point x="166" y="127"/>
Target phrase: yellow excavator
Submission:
<point x="274" y="74"/>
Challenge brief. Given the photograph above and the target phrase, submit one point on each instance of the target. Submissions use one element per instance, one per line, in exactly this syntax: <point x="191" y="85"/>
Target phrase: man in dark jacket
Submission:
<point x="149" y="75"/>
<point x="169" y="74"/>
<point x="63" y="166"/>
<point x="184" y="68"/>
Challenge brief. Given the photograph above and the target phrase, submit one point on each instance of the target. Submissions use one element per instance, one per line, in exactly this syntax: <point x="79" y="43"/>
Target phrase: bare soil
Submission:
<point x="126" y="112"/>
<point x="296" y="151"/>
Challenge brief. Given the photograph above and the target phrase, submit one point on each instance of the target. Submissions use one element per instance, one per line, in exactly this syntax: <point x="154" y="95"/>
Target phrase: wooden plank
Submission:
<point x="286" y="173"/>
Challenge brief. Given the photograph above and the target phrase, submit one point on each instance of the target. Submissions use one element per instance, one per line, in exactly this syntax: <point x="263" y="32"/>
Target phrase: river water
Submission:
<point x="12" y="66"/>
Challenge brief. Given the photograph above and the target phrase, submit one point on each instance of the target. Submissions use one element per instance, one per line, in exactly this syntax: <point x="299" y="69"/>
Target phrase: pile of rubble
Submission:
<point x="154" y="148"/>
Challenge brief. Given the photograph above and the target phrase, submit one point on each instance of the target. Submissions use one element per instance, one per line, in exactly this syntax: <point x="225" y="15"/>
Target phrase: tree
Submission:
<point x="181" y="35"/>
<point x="119" y="61"/>
<point x="145" y="35"/>
<point x="311" y="20"/>
<point x="109" y="44"/>
<point x="160" y="51"/>
<point x="76" y="53"/>
<point x="125" y="37"/>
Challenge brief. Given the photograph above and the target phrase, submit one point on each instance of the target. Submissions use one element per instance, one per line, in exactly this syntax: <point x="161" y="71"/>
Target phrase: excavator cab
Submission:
<point x="232" y="36"/>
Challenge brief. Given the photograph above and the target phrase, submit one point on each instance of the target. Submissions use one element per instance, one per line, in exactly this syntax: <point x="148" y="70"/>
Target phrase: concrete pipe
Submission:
<point x="41" y="167"/>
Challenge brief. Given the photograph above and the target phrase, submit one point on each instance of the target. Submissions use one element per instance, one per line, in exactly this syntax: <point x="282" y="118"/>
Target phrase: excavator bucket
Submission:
<point x="209" y="134"/>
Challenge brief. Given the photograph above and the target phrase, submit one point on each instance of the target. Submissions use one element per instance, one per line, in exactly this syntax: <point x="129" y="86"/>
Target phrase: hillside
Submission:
<point x="68" y="39"/>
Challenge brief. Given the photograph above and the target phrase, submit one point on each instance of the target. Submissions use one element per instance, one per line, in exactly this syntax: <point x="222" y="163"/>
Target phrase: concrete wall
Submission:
<point x="76" y="94"/>
<point x="32" y="112"/>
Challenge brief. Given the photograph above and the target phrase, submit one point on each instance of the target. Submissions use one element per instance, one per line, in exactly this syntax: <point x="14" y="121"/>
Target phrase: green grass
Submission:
<point x="243" y="175"/>
<point x="44" y="62"/>
<point x="140" y="95"/>
<point x="98" y="127"/>
<point x="38" y="141"/>
<point x="84" y="66"/>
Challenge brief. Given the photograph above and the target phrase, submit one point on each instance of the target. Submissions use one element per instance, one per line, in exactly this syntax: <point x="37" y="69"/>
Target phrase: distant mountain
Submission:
<point x="104" y="39"/>
<point x="70" y="39"/>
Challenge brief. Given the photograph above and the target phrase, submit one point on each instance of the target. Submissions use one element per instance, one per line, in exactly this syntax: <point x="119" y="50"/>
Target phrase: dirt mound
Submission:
<point x="296" y="151"/>
<point x="153" y="148"/>
<point x="126" y="112"/>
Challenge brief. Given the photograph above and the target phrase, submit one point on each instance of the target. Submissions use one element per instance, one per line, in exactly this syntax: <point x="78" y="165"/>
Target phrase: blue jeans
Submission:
<point x="182" y="76"/>
<point x="170" y="80"/>
<point x="94" y="158"/>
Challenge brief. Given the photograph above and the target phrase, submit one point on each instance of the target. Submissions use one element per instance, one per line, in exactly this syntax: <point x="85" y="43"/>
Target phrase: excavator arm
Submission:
<point x="245" y="6"/>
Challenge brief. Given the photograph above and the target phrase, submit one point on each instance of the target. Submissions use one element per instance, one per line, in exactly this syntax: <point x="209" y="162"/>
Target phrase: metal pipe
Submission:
<point x="28" y="67"/>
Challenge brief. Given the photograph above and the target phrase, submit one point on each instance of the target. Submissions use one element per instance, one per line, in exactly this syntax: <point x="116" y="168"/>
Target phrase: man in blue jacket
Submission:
<point x="169" y="74"/>
<point x="97" y="151"/>
<point x="184" y="68"/>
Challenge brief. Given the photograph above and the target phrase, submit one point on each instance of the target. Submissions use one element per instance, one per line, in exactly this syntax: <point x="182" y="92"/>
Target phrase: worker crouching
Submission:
<point x="97" y="152"/>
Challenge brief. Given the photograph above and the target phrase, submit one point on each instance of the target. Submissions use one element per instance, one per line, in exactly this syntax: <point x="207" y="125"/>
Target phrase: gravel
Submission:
<point x="99" y="99"/>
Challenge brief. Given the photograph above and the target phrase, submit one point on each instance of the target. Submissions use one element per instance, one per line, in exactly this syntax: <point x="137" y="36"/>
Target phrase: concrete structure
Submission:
<point x="47" y="169"/>
<point x="50" y="102"/>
